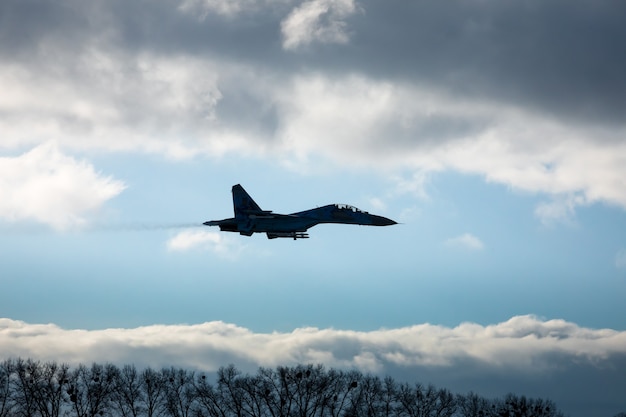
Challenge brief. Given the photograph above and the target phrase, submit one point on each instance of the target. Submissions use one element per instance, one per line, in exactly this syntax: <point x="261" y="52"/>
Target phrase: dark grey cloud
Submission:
<point x="524" y="94"/>
<point x="133" y="27"/>
<point x="562" y="57"/>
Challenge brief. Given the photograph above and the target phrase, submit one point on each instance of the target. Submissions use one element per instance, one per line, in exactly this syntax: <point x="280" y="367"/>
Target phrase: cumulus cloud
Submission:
<point x="167" y="90"/>
<point x="179" y="107"/>
<point x="521" y="344"/>
<point x="384" y="123"/>
<point x="317" y="21"/>
<point x="212" y="241"/>
<point x="49" y="187"/>
<point x="103" y="99"/>
<point x="466" y="241"/>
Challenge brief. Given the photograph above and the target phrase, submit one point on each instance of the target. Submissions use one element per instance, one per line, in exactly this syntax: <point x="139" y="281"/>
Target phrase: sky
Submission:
<point x="493" y="132"/>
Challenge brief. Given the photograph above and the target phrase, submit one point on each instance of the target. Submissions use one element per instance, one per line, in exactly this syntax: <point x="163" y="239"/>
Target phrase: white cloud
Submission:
<point x="377" y="204"/>
<point x="362" y="122"/>
<point x="416" y="185"/>
<point x="317" y="21"/>
<point x="467" y="241"/>
<point x="199" y="239"/>
<point x="521" y="344"/>
<point x="227" y="8"/>
<point x="49" y="187"/>
<point x="559" y="210"/>
<point x="620" y="259"/>
<point x="202" y="8"/>
<point x="101" y="98"/>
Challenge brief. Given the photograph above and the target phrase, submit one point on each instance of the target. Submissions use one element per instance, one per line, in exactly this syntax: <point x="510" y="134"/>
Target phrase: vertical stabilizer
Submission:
<point x="243" y="204"/>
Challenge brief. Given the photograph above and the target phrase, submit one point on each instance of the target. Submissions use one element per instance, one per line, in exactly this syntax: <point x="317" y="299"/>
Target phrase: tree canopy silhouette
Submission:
<point x="31" y="388"/>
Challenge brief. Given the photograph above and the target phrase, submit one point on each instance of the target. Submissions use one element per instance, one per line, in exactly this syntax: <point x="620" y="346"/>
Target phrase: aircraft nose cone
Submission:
<point x="383" y="221"/>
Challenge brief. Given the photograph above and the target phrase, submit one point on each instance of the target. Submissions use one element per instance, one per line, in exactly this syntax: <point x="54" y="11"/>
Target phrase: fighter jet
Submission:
<point x="249" y="218"/>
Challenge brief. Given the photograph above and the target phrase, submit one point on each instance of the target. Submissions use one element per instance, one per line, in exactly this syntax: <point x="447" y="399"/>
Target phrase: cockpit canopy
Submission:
<point x="349" y="207"/>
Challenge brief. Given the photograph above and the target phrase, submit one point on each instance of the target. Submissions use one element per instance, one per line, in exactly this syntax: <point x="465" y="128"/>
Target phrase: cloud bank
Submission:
<point x="552" y="359"/>
<point x="524" y="344"/>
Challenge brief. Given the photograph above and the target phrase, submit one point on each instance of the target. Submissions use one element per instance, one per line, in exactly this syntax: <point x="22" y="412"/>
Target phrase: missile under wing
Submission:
<point x="250" y="218"/>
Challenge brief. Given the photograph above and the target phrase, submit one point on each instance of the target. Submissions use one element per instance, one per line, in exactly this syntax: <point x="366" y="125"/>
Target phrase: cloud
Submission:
<point x="522" y="347"/>
<point x="416" y="185"/>
<point x="377" y="204"/>
<point x="382" y="123"/>
<point x="49" y="187"/>
<point x="221" y="7"/>
<point x="466" y="241"/>
<point x="561" y="210"/>
<point x="521" y="344"/>
<point x="151" y="82"/>
<point x="525" y="354"/>
<point x="212" y="241"/>
<point x="187" y="106"/>
<point x="317" y="21"/>
<point x="107" y="100"/>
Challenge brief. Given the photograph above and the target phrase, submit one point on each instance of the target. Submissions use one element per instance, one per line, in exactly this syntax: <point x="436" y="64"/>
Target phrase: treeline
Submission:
<point x="31" y="388"/>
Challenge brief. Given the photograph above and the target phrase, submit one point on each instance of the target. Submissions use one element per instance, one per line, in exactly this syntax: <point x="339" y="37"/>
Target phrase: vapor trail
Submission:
<point x="141" y="226"/>
<point x="41" y="229"/>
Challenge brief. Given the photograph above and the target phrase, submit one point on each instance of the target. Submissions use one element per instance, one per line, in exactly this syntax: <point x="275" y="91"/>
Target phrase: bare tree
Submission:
<point x="128" y="393"/>
<point x="302" y="390"/>
<point x="420" y="401"/>
<point x="377" y="398"/>
<point x="445" y="405"/>
<point x="473" y="405"/>
<point x="389" y="397"/>
<point x="153" y="387"/>
<point x="342" y="389"/>
<point x="7" y="402"/>
<point x="24" y="387"/>
<point x="251" y="389"/>
<point x="91" y="389"/>
<point x="514" y="406"/>
<point x="371" y="396"/>
<point x="209" y="400"/>
<point x="228" y="390"/>
<point x="33" y="389"/>
<point x="51" y="382"/>
<point x="180" y="393"/>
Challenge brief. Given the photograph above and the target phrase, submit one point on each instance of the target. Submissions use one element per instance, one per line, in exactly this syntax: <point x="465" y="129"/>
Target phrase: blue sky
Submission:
<point x="490" y="131"/>
<point x="418" y="271"/>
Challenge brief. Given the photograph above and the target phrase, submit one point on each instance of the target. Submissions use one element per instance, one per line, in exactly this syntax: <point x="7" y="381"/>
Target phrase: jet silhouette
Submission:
<point x="249" y="218"/>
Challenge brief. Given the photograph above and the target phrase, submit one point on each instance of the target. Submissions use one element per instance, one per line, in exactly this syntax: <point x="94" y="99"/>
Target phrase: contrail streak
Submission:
<point x="140" y="226"/>
<point x="39" y="229"/>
